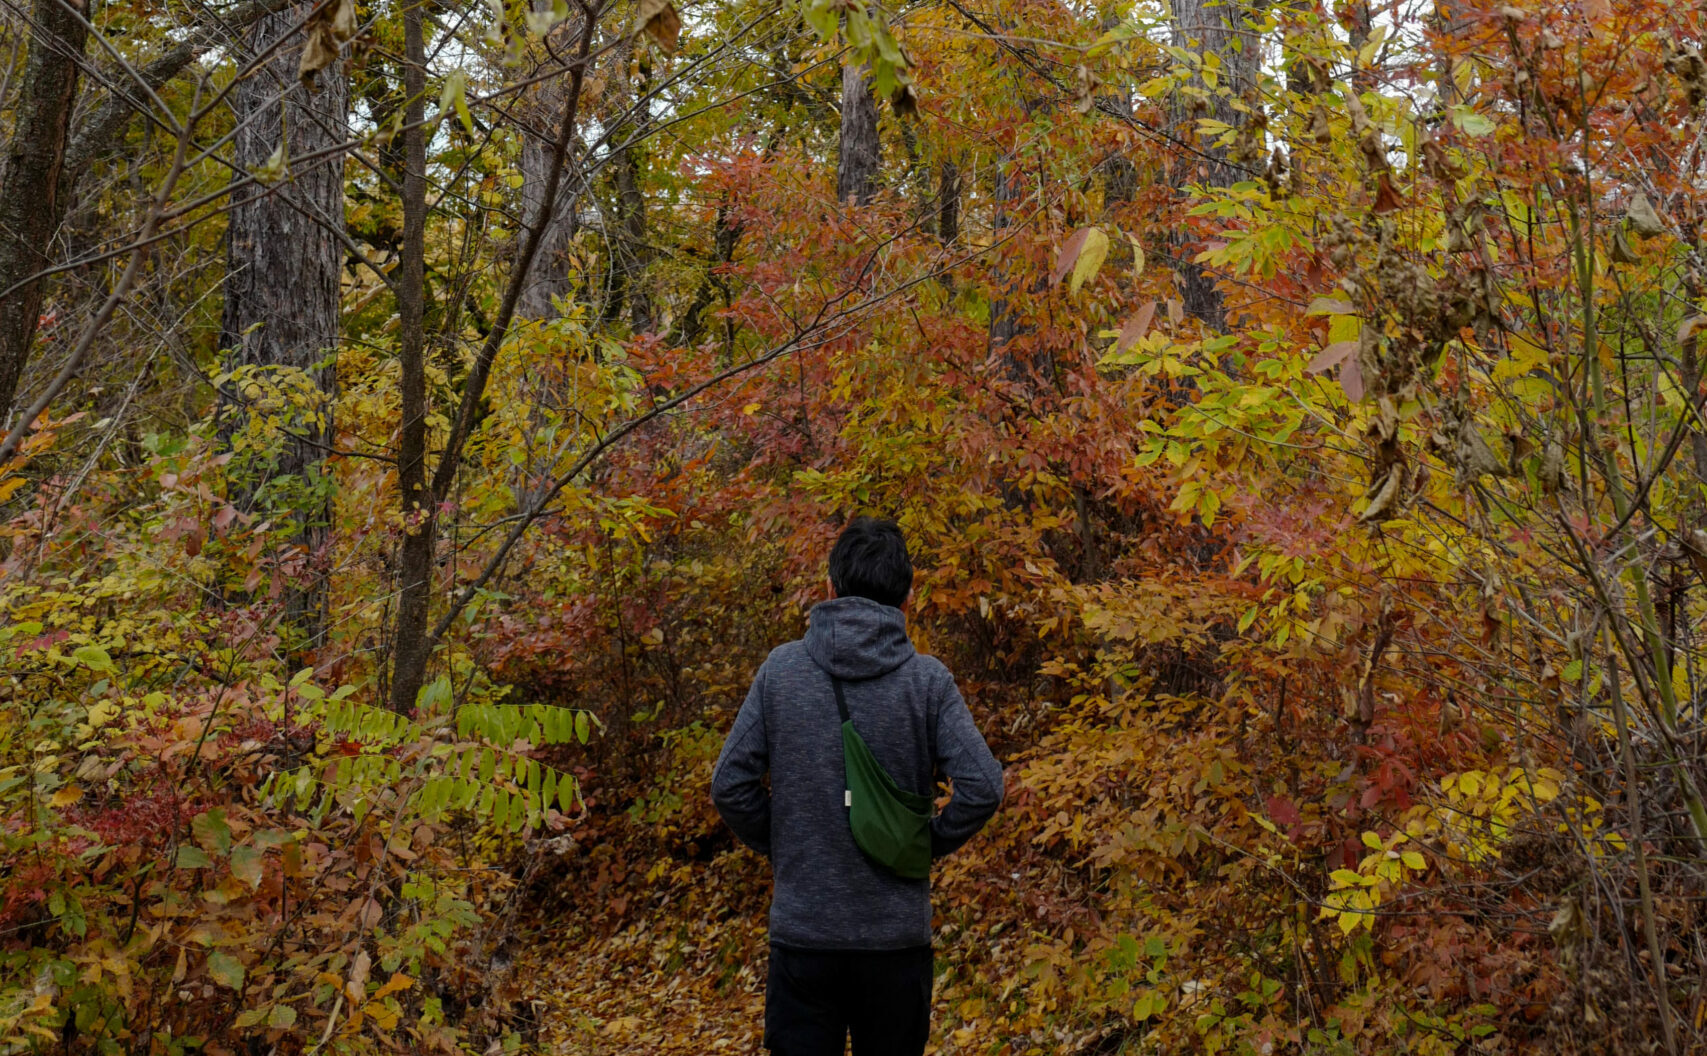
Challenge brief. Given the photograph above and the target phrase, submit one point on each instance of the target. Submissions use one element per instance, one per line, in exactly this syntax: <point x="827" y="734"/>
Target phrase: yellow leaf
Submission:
<point x="396" y="983"/>
<point x="65" y="796"/>
<point x="1090" y="258"/>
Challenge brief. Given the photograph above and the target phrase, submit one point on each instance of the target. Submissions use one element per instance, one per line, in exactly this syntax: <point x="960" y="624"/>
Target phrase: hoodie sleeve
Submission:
<point x="737" y="783"/>
<point x="964" y="758"/>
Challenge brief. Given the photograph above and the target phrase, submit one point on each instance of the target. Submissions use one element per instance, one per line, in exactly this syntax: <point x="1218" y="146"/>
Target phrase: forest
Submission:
<point x="420" y="418"/>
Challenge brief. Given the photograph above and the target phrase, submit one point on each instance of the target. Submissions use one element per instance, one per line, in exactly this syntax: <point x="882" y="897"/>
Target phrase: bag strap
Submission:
<point x="930" y="725"/>
<point x="841" y="701"/>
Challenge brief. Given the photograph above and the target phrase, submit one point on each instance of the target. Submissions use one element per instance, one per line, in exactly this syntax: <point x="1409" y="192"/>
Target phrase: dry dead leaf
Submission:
<point x="1331" y="356"/>
<point x="1351" y="379"/>
<point x="1136" y="327"/>
<point x="331" y="25"/>
<point x="658" y="19"/>
<point x="1069" y="255"/>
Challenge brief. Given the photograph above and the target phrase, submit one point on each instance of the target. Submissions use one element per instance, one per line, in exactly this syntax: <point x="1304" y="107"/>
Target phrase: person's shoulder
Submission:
<point x="788" y="654"/>
<point x="931" y="669"/>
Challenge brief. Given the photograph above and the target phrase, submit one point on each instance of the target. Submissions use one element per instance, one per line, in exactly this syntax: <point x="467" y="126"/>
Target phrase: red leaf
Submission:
<point x="1283" y="811"/>
<point x="1333" y="355"/>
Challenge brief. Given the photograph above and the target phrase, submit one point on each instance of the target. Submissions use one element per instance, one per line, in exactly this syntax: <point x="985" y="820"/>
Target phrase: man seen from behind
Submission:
<point x="850" y="936"/>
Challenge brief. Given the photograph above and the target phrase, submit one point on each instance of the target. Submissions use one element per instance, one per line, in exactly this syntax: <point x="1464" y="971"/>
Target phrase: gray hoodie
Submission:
<point x="828" y="895"/>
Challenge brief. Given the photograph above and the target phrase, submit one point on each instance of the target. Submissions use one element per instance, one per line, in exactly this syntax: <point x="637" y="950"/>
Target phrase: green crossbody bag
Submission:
<point x="890" y="824"/>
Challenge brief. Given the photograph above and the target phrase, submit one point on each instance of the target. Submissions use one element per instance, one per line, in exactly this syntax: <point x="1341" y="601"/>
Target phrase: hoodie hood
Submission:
<point x="857" y="638"/>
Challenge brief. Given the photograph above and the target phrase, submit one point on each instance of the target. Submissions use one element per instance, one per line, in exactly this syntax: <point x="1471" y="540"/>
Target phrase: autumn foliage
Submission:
<point x="1297" y="423"/>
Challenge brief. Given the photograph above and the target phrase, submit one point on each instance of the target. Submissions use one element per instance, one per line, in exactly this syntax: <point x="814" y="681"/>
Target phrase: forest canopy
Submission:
<point x="419" y="419"/>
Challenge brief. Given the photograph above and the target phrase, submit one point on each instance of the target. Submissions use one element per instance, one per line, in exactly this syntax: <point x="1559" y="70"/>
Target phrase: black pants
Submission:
<point x="815" y="998"/>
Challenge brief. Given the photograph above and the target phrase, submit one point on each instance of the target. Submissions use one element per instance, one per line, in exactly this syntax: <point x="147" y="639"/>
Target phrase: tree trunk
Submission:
<point x="630" y="253"/>
<point x="1221" y="28"/>
<point x="948" y="204"/>
<point x="549" y="278"/>
<point x="415" y="557"/>
<point x="282" y="274"/>
<point x="857" y="152"/>
<point x="33" y="190"/>
<point x="725" y="234"/>
<point x="412" y="643"/>
<point x="634" y="255"/>
<point x="1004" y="324"/>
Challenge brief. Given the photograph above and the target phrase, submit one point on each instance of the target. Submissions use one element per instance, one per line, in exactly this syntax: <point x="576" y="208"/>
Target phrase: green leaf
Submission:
<point x="225" y="970"/>
<point x="583" y="727"/>
<point x="281" y="1017"/>
<point x="92" y="657"/>
<point x="246" y="865"/>
<point x="1471" y="122"/>
<point x="212" y="831"/>
<point x="433" y="695"/>
<point x="192" y="857"/>
<point x="455" y="95"/>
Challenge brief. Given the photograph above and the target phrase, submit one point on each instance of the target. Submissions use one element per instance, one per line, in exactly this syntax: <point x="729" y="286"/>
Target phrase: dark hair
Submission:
<point x="869" y="560"/>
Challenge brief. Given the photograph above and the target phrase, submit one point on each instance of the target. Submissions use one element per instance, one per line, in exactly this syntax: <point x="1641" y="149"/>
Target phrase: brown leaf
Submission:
<point x="1387" y="197"/>
<point x="1333" y="355"/>
<point x="1621" y="251"/>
<point x="1640" y="213"/>
<point x="1351" y="379"/>
<point x="328" y="27"/>
<point x="658" y="19"/>
<point x="1176" y="311"/>
<point x="1136" y="327"/>
<point x="905" y="101"/>
<point x="1381" y="495"/>
<point x="356" y="986"/>
<point x="1069" y="255"/>
<point x="1695" y="544"/>
<point x="1320" y="127"/>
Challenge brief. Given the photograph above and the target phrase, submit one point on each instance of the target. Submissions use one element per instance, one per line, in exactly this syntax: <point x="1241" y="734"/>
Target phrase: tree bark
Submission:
<point x="948" y="204"/>
<point x="1221" y="28"/>
<point x="34" y="189"/>
<point x="725" y="234"/>
<point x="415" y="557"/>
<point x="548" y="281"/>
<point x="630" y="252"/>
<point x="857" y="151"/>
<point x="282" y="272"/>
<point x="634" y="254"/>
<point x="1004" y="323"/>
